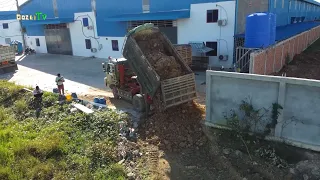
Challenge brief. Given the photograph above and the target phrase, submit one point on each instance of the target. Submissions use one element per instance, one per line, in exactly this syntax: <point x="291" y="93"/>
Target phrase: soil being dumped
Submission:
<point x="157" y="54"/>
<point x="176" y="128"/>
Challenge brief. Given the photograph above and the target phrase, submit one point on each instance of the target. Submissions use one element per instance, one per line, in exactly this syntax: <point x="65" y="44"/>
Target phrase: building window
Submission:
<point x="115" y="46"/>
<point x="7" y="40"/>
<point x="214" y="46"/>
<point x="88" y="44"/>
<point x="145" y="6"/>
<point x="282" y="4"/>
<point x="212" y="16"/>
<point x="289" y="4"/>
<point x="275" y="4"/>
<point x="5" y="26"/>
<point x="85" y="22"/>
<point x="37" y="42"/>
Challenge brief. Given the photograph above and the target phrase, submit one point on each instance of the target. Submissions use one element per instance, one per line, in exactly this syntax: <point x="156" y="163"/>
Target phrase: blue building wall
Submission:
<point x="167" y="5"/>
<point x="285" y="9"/>
<point x="108" y="8"/>
<point x="7" y="15"/>
<point x="67" y="8"/>
<point x="33" y="6"/>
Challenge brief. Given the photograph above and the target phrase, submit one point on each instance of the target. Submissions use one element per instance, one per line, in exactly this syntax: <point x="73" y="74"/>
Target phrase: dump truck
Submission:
<point x="136" y="79"/>
<point x="7" y="59"/>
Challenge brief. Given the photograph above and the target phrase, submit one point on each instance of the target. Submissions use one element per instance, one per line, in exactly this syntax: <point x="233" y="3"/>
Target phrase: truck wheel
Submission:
<point x="139" y="103"/>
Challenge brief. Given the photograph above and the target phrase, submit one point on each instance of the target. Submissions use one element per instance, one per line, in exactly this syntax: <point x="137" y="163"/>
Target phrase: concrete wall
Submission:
<point x="298" y="122"/>
<point x="196" y="28"/>
<point x="13" y="32"/>
<point x="31" y="42"/>
<point x="248" y="7"/>
<point x="272" y="59"/>
<point x="102" y="44"/>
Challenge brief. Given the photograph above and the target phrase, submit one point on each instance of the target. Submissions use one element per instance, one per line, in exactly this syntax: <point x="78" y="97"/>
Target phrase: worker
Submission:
<point x="60" y="81"/>
<point x="37" y="93"/>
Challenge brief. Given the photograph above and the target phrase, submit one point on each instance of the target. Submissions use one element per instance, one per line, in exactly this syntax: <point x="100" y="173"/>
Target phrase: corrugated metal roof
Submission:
<point x="48" y="21"/>
<point x="7" y="15"/>
<point x="162" y="15"/>
<point x="200" y="47"/>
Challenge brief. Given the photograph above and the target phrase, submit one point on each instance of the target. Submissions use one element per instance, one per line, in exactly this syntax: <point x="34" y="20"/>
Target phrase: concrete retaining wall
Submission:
<point x="299" y="121"/>
<point x="272" y="59"/>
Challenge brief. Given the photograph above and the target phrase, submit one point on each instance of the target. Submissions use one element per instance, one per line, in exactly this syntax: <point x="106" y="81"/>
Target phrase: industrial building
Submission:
<point x="97" y="27"/>
<point x="9" y="27"/>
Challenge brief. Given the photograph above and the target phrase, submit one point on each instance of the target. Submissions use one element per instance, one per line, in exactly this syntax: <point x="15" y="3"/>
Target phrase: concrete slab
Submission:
<point x="83" y="75"/>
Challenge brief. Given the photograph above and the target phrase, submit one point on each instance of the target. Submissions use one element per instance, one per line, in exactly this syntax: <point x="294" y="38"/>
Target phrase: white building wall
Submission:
<point x="196" y="28"/>
<point x="13" y="32"/>
<point x="31" y="42"/>
<point x="102" y="44"/>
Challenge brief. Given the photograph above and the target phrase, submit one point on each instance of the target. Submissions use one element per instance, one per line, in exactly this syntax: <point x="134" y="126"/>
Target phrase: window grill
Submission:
<point x="157" y="23"/>
<point x="56" y="26"/>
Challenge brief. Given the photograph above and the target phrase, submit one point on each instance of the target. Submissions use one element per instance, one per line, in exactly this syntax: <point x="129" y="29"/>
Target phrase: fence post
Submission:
<point x="293" y="50"/>
<point x="282" y="55"/>
<point x="281" y="101"/>
<point x="274" y="57"/>
<point x="208" y="95"/>
<point x="251" y="68"/>
<point x="265" y="62"/>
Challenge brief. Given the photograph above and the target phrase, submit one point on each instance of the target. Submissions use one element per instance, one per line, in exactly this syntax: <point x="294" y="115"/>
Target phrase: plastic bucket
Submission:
<point x="102" y="101"/>
<point x="68" y="97"/>
<point x="96" y="100"/>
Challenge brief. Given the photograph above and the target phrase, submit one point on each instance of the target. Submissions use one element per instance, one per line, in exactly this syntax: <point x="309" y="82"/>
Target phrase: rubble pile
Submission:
<point x="164" y="63"/>
<point x="177" y="128"/>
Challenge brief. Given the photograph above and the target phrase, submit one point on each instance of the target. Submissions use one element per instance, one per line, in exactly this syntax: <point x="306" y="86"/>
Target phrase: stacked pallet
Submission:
<point x="185" y="51"/>
<point x="200" y="62"/>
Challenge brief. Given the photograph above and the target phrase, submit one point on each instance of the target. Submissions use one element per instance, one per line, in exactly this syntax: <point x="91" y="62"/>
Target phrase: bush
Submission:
<point x="58" y="145"/>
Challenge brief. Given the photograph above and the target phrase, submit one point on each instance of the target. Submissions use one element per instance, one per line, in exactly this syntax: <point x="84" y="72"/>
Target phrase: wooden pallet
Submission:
<point x="185" y="51"/>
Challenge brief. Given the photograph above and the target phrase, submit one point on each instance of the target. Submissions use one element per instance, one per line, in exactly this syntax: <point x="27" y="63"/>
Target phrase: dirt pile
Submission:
<point x="305" y="65"/>
<point x="176" y="128"/>
<point x="159" y="57"/>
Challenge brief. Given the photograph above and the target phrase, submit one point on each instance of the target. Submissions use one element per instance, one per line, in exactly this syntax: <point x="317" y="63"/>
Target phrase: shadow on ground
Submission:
<point x="83" y="70"/>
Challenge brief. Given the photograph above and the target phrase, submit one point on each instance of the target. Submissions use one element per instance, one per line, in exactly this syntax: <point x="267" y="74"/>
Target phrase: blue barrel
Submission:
<point x="102" y="101"/>
<point x="257" y="32"/>
<point x="74" y="95"/>
<point x="273" y="25"/>
<point x="96" y="100"/>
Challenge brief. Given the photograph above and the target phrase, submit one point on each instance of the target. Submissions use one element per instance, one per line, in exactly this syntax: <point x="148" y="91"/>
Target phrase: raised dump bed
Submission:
<point x="157" y="64"/>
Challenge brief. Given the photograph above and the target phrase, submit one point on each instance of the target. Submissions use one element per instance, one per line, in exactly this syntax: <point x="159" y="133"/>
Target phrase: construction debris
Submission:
<point x="163" y="61"/>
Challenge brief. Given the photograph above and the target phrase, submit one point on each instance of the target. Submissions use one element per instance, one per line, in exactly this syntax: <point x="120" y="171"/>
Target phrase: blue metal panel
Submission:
<point x="285" y="32"/>
<point x="168" y="5"/>
<point x="7" y="15"/>
<point x="35" y="30"/>
<point x="108" y="8"/>
<point x="33" y="6"/>
<point x="67" y="8"/>
<point x="49" y="21"/>
<point x="164" y="15"/>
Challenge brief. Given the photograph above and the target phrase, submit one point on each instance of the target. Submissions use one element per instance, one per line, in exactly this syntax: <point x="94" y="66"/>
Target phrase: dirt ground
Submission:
<point x="305" y="65"/>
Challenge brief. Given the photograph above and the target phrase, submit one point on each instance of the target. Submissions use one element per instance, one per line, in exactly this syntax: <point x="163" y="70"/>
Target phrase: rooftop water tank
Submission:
<point x="257" y="33"/>
<point x="273" y="25"/>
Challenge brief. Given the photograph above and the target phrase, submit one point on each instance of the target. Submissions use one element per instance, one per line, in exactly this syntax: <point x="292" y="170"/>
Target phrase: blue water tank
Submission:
<point x="96" y="100"/>
<point x="102" y="101"/>
<point x="257" y="33"/>
<point x="273" y="25"/>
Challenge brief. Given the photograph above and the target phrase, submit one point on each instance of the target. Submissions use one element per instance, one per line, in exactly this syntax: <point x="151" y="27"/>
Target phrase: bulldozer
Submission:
<point x="133" y="78"/>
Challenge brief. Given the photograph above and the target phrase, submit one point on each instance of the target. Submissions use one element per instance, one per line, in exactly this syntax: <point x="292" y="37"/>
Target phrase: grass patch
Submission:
<point x="58" y="145"/>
